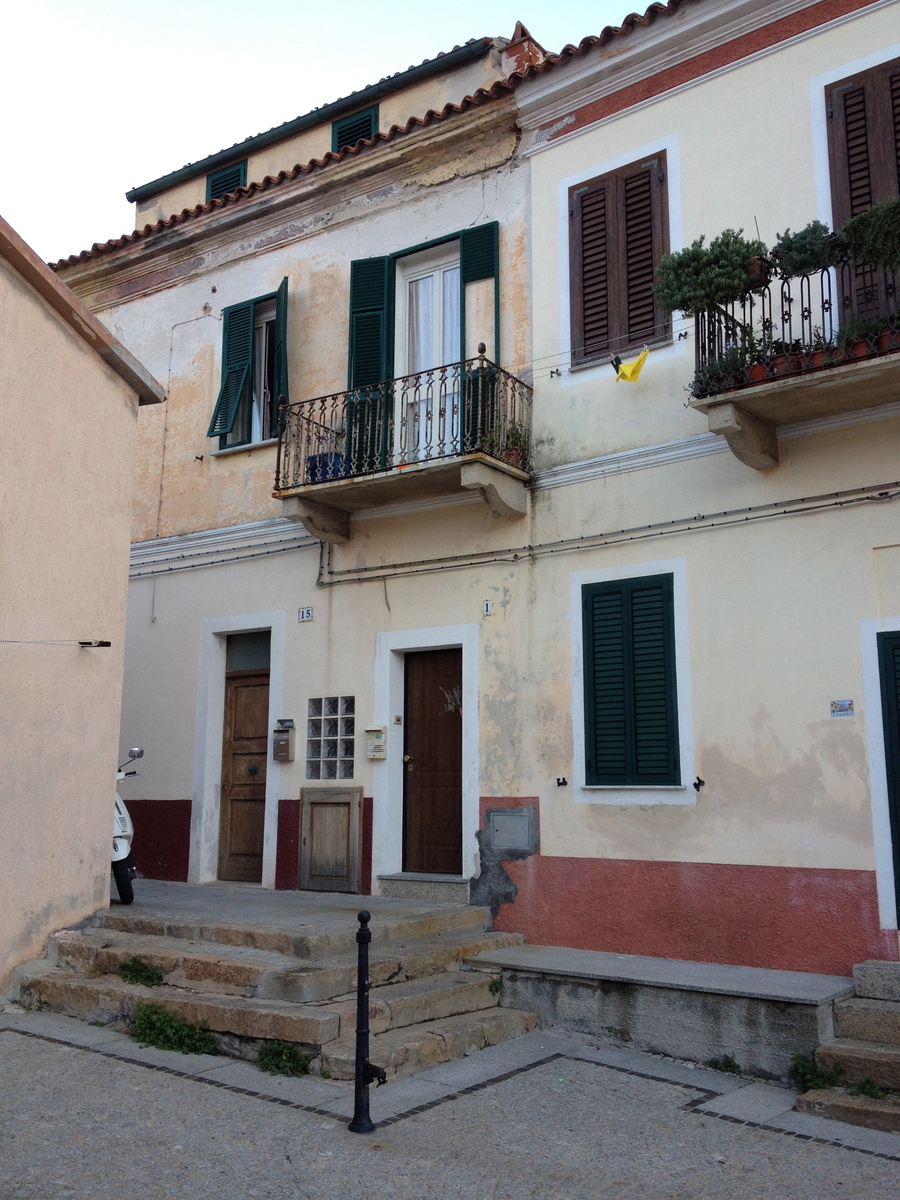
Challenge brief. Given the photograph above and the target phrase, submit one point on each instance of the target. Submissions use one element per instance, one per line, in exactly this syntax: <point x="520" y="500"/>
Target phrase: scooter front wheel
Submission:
<point x="122" y="874"/>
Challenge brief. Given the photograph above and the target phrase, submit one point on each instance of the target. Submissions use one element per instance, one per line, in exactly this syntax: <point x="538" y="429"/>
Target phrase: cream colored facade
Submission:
<point x="782" y="854"/>
<point x="70" y="397"/>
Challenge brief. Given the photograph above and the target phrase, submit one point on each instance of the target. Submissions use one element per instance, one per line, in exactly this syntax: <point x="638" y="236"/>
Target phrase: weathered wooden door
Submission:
<point x="329" y="839"/>
<point x="432" y="760"/>
<point x="244" y="757"/>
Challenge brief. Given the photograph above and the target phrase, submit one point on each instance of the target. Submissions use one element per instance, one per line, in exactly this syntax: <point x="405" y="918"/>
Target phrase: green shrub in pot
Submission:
<point x="700" y="277"/>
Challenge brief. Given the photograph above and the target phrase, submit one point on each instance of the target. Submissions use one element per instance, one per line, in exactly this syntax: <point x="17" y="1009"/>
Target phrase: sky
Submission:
<point x="99" y="96"/>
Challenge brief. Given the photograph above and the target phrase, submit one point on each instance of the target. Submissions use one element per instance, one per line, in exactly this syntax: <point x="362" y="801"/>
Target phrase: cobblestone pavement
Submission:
<point x="553" y="1122"/>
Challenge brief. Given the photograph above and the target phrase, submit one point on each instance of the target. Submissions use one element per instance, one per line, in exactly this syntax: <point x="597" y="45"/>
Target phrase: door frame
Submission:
<point x="869" y="628"/>
<point x="210" y="730"/>
<point x="387" y="787"/>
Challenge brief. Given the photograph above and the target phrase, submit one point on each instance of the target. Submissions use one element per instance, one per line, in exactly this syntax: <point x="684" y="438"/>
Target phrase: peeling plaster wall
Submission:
<point x="66" y="502"/>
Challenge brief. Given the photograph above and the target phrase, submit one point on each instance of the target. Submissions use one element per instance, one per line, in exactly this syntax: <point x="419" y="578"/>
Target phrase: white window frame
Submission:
<point x="671" y="793"/>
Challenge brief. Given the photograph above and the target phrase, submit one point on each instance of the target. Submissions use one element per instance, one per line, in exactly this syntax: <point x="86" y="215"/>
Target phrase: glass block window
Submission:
<point x="330" y="737"/>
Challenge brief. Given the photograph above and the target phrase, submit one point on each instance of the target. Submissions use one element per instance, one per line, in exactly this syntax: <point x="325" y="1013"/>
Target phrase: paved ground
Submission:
<point x="85" y="1113"/>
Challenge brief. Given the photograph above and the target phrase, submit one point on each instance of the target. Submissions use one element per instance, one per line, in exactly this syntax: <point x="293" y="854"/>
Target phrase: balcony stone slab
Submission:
<point x="748" y="417"/>
<point x="325" y="509"/>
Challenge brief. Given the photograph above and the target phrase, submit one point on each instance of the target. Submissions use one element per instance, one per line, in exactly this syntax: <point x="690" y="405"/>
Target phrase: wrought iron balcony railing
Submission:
<point x="794" y="326"/>
<point x="463" y="408"/>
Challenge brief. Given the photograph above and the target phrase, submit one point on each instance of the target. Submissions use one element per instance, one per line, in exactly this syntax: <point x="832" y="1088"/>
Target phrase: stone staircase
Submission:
<point x="251" y="984"/>
<point x="867" y="1047"/>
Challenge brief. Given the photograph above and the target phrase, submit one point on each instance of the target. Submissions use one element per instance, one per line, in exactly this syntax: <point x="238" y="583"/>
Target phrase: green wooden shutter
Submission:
<point x="369" y="409"/>
<point x="889" y="668"/>
<point x="281" y="367"/>
<point x="225" y="180"/>
<point x="237" y="355"/>
<point x="631" y="718"/>
<point x="479" y="258"/>
<point x="357" y="127"/>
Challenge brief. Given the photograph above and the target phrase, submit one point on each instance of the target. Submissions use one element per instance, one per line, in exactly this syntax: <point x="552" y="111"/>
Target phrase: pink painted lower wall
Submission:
<point x="162" y="837"/>
<point x="785" y="918"/>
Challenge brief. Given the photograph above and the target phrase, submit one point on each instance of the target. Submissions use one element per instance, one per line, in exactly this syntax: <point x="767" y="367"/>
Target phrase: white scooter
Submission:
<point x="123" y="867"/>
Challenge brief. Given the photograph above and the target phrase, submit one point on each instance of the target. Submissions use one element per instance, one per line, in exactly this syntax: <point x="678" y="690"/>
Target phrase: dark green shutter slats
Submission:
<point x="226" y="180"/>
<point x="479" y="258"/>
<point x="357" y="127"/>
<point x="281" y="371"/>
<point x="369" y="409"/>
<point x="631" y="723"/>
<point x="237" y="354"/>
<point x="889" y="669"/>
<point x="371" y="280"/>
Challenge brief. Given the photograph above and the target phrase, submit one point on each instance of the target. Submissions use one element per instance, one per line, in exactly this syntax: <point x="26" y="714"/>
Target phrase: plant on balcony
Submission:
<point x="702" y="277"/>
<point x="873" y="236"/>
<point x="813" y="248"/>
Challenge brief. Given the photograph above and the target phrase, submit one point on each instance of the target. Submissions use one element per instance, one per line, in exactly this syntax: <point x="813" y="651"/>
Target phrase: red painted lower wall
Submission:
<point x="787" y="918"/>
<point x="162" y="837"/>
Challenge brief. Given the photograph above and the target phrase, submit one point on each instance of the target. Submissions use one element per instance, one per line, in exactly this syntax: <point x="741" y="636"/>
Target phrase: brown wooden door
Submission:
<point x="244" y="757"/>
<point x="432" y="758"/>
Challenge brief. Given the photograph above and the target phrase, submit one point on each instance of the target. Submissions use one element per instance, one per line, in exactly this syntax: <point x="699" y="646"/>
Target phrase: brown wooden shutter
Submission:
<point x="618" y="233"/>
<point x="864" y="140"/>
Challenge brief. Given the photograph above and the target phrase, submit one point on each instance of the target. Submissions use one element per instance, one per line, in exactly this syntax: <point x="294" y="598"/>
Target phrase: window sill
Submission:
<point x="605" y="360"/>
<point x="243" y="448"/>
<point x="634" y="795"/>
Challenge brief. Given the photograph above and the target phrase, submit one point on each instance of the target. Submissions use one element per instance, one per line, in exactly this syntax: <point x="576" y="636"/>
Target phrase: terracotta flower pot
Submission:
<point x="888" y="340"/>
<point x="757" y="372"/>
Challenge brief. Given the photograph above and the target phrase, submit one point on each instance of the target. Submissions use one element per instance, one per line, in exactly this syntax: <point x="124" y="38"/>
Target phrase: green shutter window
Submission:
<point x="359" y="126"/>
<point x="225" y="180"/>
<point x="631" y="716"/>
<point x="281" y="369"/>
<point x="479" y="258"/>
<point x="369" y="409"/>
<point x="237" y="356"/>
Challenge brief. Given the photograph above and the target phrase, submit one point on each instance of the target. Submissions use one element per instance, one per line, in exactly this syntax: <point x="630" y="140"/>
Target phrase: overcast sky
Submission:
<point x="98" y="96"/>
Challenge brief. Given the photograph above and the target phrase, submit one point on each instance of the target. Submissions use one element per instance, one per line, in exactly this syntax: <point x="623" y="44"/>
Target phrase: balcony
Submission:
<point x="452" y="430"/>
<point x="812" y="346"/>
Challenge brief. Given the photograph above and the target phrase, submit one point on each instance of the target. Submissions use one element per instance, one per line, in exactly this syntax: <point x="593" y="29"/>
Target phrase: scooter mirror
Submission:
<point x="135" y="752"/>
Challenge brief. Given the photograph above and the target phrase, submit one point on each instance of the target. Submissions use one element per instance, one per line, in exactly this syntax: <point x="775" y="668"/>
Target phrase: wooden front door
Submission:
<point x="244" y="756"/>
<point x="432" y="761"/>
<point x="329" y="839"/>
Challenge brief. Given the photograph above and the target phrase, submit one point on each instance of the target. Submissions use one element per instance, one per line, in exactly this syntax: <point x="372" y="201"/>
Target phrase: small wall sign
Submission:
<point x="305" y="614"/>
<point x="842" y="708"/>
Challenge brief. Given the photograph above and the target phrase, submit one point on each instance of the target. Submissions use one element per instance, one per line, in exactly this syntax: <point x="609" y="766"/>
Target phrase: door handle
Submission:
<point x="407" y="758"/>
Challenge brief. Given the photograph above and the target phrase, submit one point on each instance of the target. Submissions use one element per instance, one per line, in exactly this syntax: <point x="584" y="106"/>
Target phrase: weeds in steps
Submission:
<point x="153" y="1026"/>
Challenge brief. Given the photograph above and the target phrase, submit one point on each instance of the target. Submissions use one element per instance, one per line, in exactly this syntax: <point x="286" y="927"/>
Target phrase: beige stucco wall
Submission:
<point x="65" y="494"/>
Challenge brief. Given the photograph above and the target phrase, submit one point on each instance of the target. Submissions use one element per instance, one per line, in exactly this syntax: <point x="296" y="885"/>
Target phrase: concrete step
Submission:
<point x="690" y="1010"/>
<point x="246" y="971"/>
<point x="839" y="1105"/>
<point x="312" y="941"/>
<point x="418" y="1047"/>
<point x="427" y="889"/>
<point x="868" y="1020"/>
<point x="862" y="1060"/>
<point x="417" y="1001"/>
<point x="107" y="999"/>
<point x="877" y="980"/>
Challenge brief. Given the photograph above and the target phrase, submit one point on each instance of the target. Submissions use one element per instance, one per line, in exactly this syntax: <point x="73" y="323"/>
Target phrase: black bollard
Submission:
<point x="362" y="1122"/>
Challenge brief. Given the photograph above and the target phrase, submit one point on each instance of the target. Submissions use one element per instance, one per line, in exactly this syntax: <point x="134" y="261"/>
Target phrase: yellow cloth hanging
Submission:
<point x="630" y="371"/>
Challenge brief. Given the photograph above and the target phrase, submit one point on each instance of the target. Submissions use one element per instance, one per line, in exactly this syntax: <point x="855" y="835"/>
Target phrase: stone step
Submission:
<point x="868" y="1020"/>
<point x="246" y="971"/>
<point x="107" y="999"/>
<point x="877" y="980"/>
<point x="839" y="1105"/>
<point x="418" y="1001"/>
<point x="418" y="1047"/>
<point x="427" y="889"/>
<point x="862" y="1060"/>
<point x="324" y="938"/>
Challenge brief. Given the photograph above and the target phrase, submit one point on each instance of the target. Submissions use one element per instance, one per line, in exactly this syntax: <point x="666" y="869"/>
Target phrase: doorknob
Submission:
<point x="407" y="758"/>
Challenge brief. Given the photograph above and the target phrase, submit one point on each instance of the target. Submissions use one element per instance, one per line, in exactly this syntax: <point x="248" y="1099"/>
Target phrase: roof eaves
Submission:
<point x="76" y="315"/>
<point x="479" y="97"/>
<point x="318" y="116"/>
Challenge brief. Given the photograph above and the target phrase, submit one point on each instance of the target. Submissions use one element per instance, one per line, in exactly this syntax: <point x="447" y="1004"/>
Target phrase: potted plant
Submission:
<point x="855" y="340"/>
<point x="873" y="236"/>
<point x="702" y="277"/>
<point x="813" y="248"/>
<point x="515" y="445"/>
